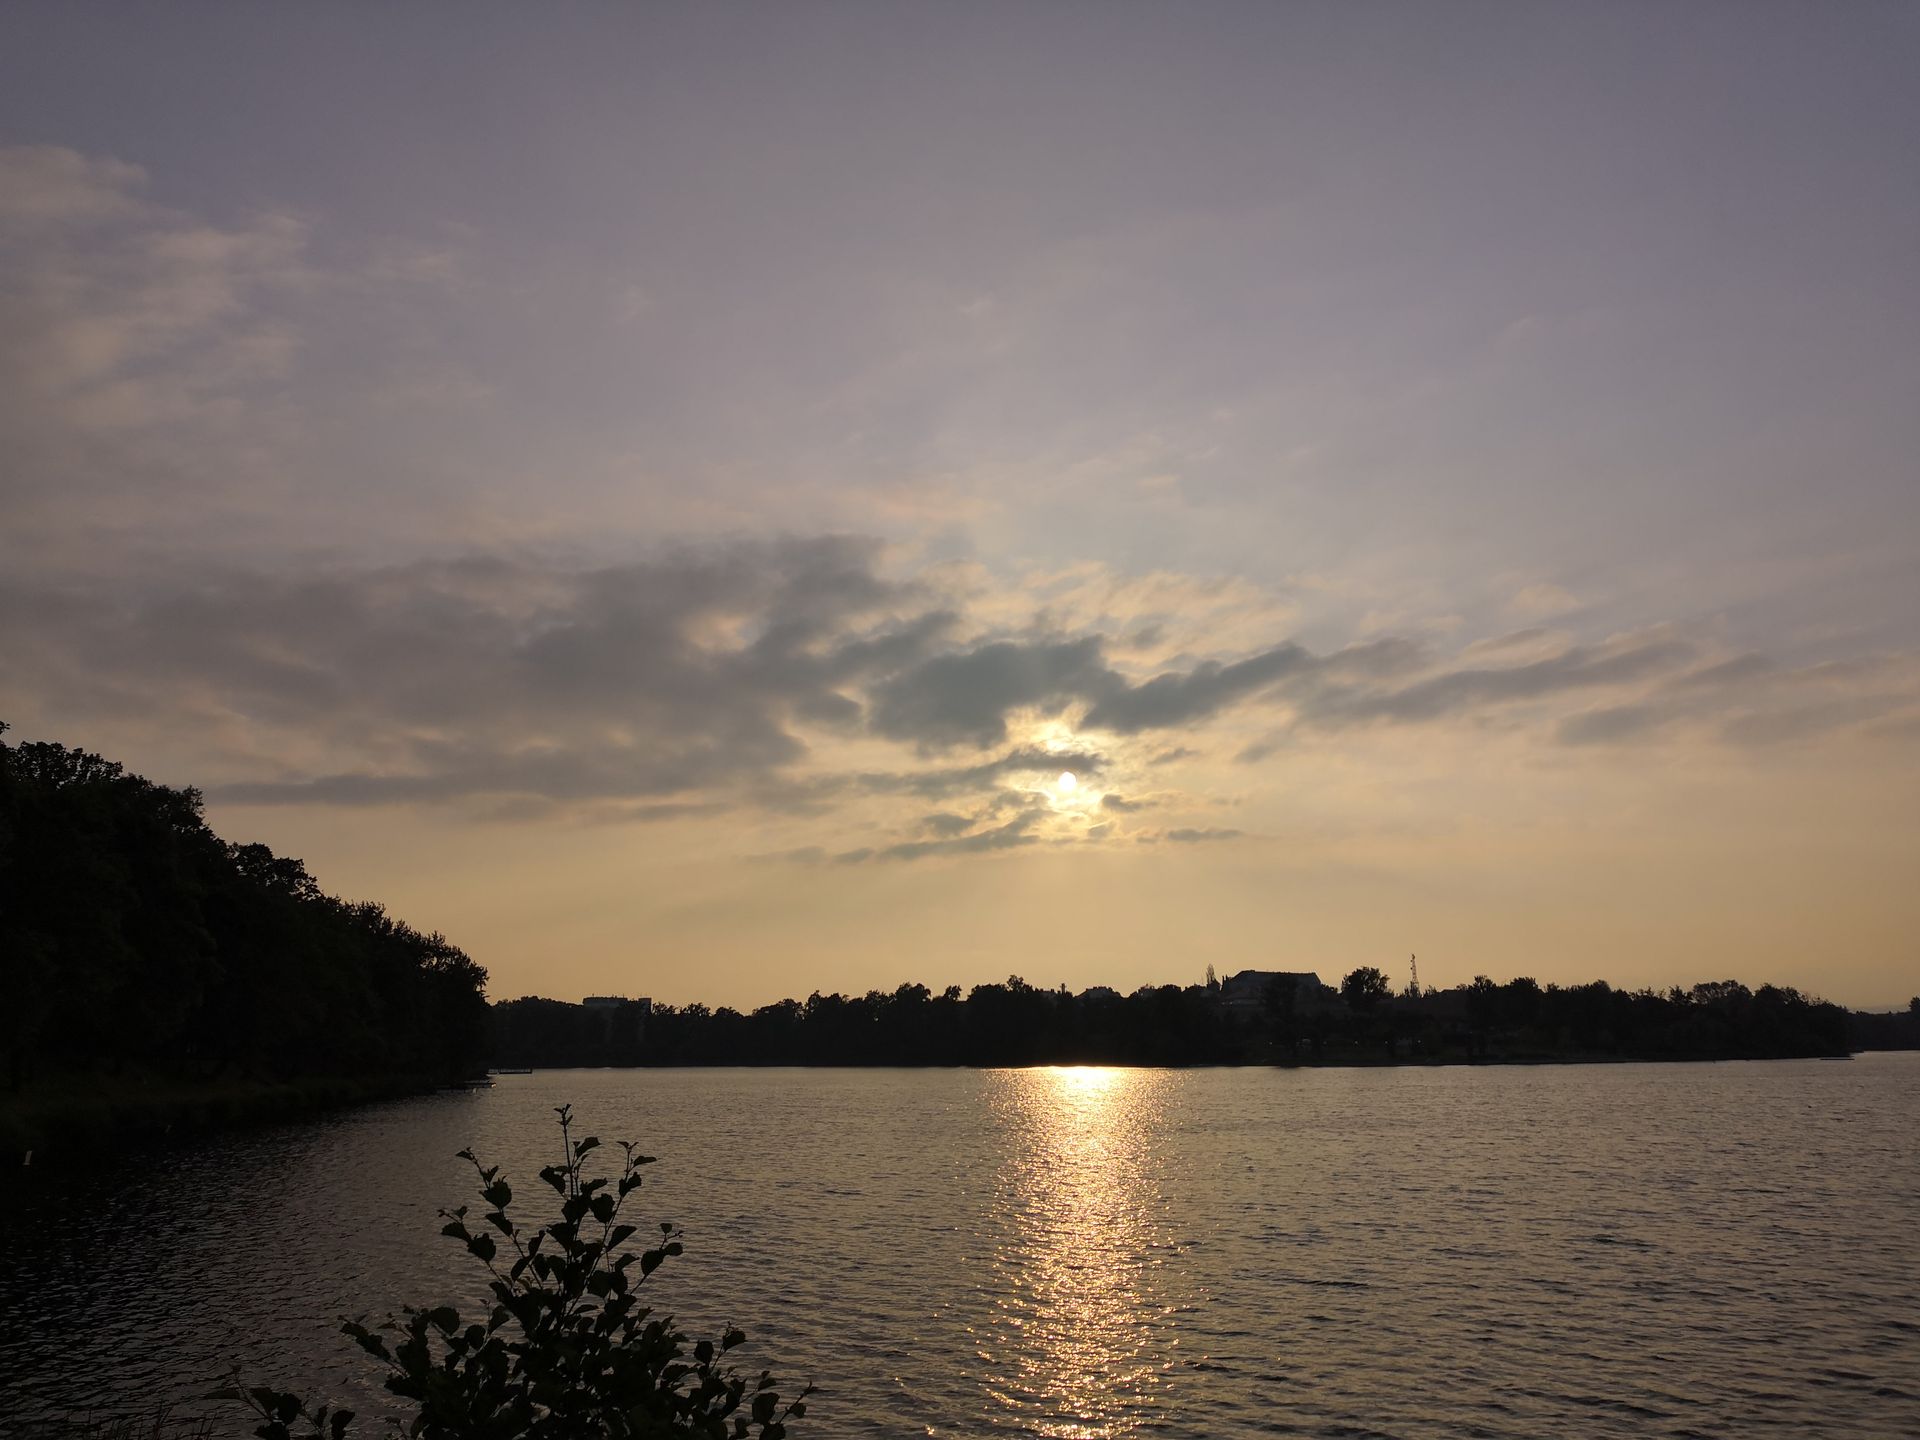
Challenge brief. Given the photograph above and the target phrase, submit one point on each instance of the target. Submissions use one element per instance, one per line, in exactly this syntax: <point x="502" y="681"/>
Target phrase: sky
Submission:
<point x="667" y="495"/>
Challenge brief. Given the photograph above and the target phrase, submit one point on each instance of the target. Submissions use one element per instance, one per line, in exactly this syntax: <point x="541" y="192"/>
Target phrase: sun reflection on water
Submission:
<point x="1071" y="1350"/>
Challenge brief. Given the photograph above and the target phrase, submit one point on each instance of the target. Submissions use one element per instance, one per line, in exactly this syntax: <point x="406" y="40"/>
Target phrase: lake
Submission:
<point x="1634" y="1250"/>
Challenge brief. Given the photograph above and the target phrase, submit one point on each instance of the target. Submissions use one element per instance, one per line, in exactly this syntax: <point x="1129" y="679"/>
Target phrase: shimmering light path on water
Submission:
<point x="1723" y="1250"/>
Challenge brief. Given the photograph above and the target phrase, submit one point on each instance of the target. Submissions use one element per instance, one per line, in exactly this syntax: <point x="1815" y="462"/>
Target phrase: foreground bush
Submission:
<point x="567" y="1351"/>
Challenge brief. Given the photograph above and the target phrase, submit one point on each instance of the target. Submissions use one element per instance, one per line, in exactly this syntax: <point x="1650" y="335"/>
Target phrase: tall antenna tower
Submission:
<point x="1413" y="962"/>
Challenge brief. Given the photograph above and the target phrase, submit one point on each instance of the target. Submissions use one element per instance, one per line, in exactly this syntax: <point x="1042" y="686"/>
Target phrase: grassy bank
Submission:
<point x="66" y="1118"/>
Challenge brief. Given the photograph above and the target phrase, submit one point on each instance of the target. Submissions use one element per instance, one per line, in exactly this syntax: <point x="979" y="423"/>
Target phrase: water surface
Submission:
<point x="1674" y="1250"/>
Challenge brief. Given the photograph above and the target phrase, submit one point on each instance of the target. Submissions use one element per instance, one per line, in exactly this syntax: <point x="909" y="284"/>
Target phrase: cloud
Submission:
<point x="495" y="675"/>
<point x="47" y="186"/>
<point x="1012" y="835"/>
<point x="135" y="344"/>
<point x="820" y="679"/>
<point x="1739" y="669"/>
<point x="1807" y="722"/>
<point x="1171" y="700"/>
<point x="1612" y="724"/>
<point x="1457" y="691"/>
<point x="937" y="782"/>
<point x="1174" y="699"/>
<point x="945" y="824"/>
<point x="1199" y="837"/>
<point x="1542" y="599"/>
<point x="966" y="697"/>
<point x="1749" y="700"/>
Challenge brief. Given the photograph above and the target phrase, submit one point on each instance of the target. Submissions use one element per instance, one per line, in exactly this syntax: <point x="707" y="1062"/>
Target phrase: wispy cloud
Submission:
<point x="812" y="677"/>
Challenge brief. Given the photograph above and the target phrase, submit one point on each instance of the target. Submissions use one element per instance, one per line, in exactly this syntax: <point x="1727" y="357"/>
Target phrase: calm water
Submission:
<point x="1725" y="1250"/>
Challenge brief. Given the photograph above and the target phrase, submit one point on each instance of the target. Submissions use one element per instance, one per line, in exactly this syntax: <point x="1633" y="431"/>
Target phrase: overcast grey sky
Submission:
<point x="623" y="482"/>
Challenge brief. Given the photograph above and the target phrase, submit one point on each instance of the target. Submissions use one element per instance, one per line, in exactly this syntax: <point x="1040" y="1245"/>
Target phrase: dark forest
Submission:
<point x="138" y="946"/>
<point x="1015" y="1023"/>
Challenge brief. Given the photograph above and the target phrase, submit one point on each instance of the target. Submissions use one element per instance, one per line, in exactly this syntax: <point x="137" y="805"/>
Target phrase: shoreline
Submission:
<point x="89" y="1113"/>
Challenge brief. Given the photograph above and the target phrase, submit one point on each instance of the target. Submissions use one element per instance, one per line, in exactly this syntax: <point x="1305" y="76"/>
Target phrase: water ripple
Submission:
<point x="1705" y="1251"/>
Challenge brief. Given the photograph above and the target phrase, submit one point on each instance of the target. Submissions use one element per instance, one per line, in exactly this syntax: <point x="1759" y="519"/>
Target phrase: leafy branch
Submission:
<point x="567" y="1350"/>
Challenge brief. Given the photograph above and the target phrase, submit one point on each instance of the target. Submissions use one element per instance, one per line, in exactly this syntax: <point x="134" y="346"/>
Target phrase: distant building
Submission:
<point x="1248" y="989"/>
<point x="614" y="1002"/>
<point x="618" y="1026"/>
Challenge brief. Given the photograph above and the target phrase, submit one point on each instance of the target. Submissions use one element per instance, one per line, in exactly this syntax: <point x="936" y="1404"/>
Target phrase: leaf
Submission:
<point x="566" y="1341"/>
<point x="368" y="1341"/>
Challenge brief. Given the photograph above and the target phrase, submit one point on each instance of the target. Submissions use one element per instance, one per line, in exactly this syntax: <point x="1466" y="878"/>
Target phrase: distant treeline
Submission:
<point x="135" y="942"/>
<point x="1020" y="1024"/>
<point x="1886" y="1030"/>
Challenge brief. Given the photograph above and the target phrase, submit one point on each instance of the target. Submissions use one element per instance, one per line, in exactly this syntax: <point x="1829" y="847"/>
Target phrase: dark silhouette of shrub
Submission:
<point x="567" y="1351"/>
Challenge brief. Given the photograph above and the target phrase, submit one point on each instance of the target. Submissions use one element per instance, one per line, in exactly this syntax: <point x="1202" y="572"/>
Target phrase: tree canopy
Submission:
<point x="1016" y="1023"/>
<point x="133" y="937"/>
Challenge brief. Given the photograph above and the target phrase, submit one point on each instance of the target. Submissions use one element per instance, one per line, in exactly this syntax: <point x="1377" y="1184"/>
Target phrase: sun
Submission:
<point x="1068" y="782"/>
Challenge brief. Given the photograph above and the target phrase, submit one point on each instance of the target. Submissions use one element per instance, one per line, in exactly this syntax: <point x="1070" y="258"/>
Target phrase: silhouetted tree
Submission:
<point x="1365" y="988"/>
<point x="133" y="936"/>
